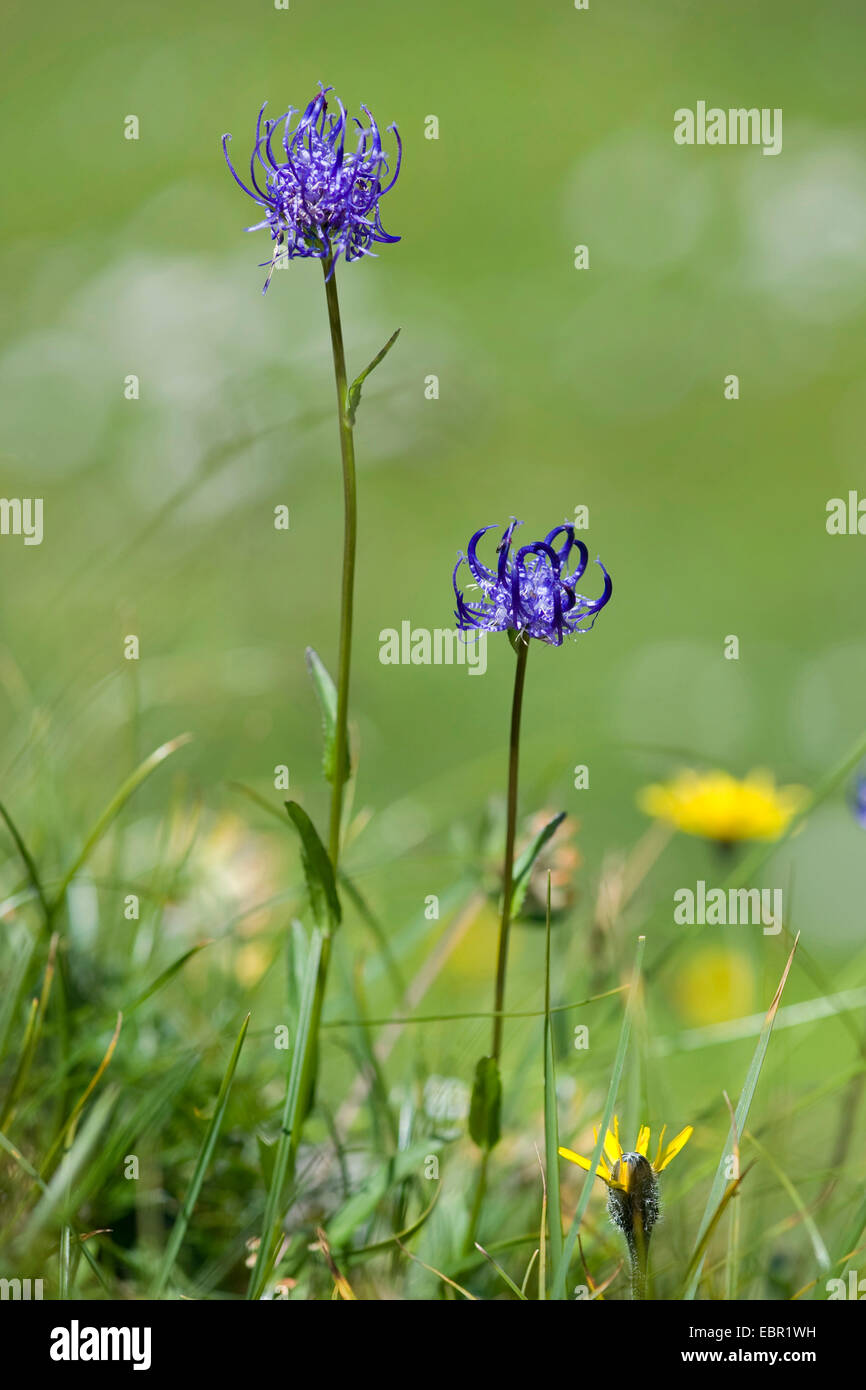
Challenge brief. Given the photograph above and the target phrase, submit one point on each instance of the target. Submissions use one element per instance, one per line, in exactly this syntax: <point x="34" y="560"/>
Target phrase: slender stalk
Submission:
<point x="638" y="1248"/>
<point x="521" y="648"/>
<point x="299" y="1096"/>
<point x="477" y="1204"/>
<point x="350" y="534"/>
<point x="347" y="607"/>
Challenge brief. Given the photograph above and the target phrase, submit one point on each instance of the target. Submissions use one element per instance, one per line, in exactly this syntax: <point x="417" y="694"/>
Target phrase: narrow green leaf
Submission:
<point x="22" y="1162"/>
<point x="67" y="1129"/>
<point x="439" y="1275"/>
<point x="551" y="1119"/>
<point x="259" y="800"/>
<point x="167" y="974"/>
<point x="853" y="1234"/>
<point x="501" y="1272"/>
<point x="113" y="809"/>
<point x="57" y="1190"/>
<point x="411" y="1230"/>
<point x="742" y="1114"/>
<point x="822" y="1254"/>
<point x="696" y="1262"/>
<point x="485" y="1104"/>
<point x="205" y="1153"/>
<point x="523" y="866"/>
<point x="17" y="960"/>
<point x="287" y="1144"/>
<point x="463" y="1017"/>
<point x="267" y="1153"/>
<point x="560" y="1273"/>
<point x="362" y="1204"/>
<point x="317" y="870"/>
<point x="529" y="1268"/>
<point x="26" y="857"/>
<point x="353" y="395"/>
<point x="326" y="694"/>
<point x="379" y="933"/>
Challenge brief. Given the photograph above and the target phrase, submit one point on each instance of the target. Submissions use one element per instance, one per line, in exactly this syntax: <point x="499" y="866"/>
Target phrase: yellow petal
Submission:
<point x="643" y="1140"/>
<point x="612" y="1147"/>
<point x="602" y="1171"/>
<point x="675" y="1145"/>
<point x="658" y="1156"/>
<point x="575" y="1158"/>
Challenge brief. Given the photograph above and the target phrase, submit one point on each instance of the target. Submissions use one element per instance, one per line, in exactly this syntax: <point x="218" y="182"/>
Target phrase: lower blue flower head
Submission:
<point x="320" y="200"/>
<point x="534" y="592"/>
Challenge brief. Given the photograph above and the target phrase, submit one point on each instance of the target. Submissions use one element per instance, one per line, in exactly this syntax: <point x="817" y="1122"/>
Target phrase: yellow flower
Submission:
<point x="713" y="985"/>
<point x="720" y="807"/>
<point x="617" y="1173"/>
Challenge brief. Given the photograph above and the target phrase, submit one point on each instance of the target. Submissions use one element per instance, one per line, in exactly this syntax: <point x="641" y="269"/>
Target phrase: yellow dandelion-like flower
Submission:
<point x="617" y="1166"/>
<point x="720" y="807"/>
<point x="632" y="1188"/>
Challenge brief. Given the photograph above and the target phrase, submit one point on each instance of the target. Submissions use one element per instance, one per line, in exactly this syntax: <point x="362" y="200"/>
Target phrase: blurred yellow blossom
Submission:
<point x="720" y="807"/>
<point x="714" y="985"/>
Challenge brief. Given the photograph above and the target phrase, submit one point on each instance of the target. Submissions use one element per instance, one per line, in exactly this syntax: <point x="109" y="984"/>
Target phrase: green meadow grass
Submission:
<point x="147" y="1111"/>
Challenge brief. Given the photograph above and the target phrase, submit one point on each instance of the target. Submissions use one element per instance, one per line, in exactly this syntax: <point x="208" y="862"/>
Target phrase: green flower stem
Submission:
<point x="477" y="1204"/>
<point x="341" y="740"/>
<point x="521" y="648"/>
<point x="350" y="535"/>
<point x="299" y="1102"/>
<point x="638" y="1249"/>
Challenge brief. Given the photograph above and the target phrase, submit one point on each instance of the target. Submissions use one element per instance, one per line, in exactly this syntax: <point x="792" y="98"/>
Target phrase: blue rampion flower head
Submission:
<point x="532" y="592"/>
<point x="320" y="200"/>
<point x="858" y="799"/>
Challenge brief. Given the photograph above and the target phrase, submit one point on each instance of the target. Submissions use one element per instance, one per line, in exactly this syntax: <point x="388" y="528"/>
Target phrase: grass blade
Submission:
<point x="167" y="974"/>
<point x="286" y="1147"/>
<point x="205" y="1154"/>
<point x="551" y="1119"/>
<point x="695" y="1264"/>
<point x="112" y="810"/>
<point x="822" y="1254"/>
<point x="67" y="1130"/>
<point x="74" y="1159"/>
<point x="501" y="1272"/>
<point x="720" y="1181"/>
<point x="26" y="858"/>
<point x="560" y="1273"/>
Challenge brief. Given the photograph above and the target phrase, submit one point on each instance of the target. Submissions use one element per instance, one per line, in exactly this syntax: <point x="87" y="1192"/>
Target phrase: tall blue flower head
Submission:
<point x="533" y="591"/>
<point x="320" y="200"/>
<point x="858" y="799"/>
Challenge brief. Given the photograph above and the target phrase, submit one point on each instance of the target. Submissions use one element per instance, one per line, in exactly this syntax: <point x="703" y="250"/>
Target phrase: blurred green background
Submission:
<point x="557" y="388"/>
